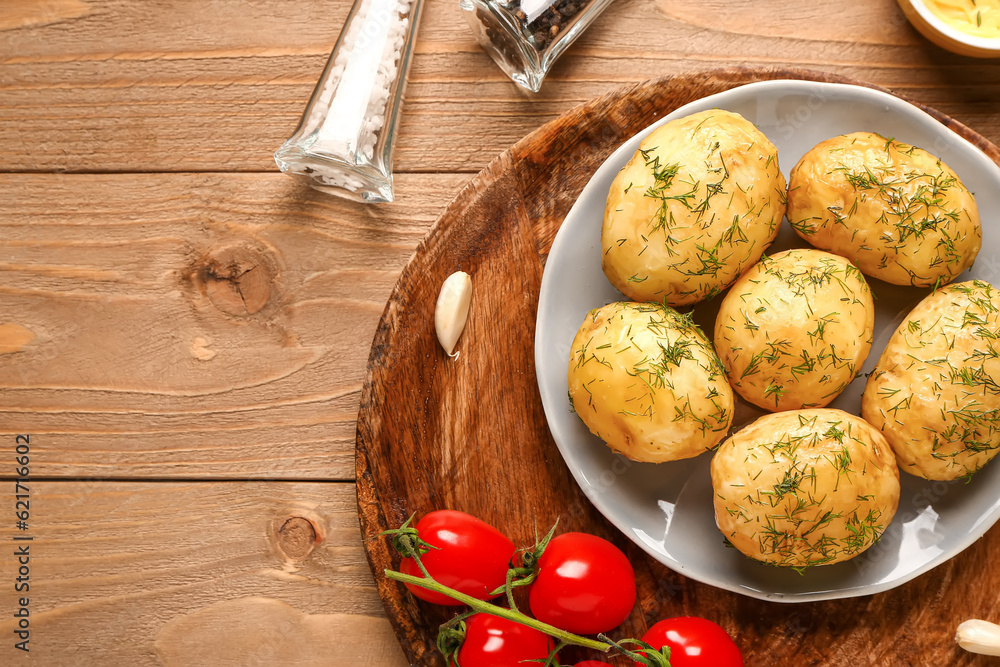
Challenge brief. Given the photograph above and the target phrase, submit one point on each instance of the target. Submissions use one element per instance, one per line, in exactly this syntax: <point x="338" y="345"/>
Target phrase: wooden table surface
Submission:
<point x="184" y="331"/>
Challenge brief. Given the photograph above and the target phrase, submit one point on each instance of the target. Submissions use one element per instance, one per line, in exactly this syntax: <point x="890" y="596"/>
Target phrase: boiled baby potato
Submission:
<point x="696" y="205"/>
<point x="935" y="391"/>
<point x="899" y="212"/>
<point x="794" y="329"/>
<point x="804" y="487"/>
<point x="645" y="379"/>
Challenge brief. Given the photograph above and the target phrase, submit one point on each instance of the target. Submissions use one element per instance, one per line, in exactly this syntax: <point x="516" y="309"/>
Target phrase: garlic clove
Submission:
<point x="979" y="637"/>
<point x="452" y="309"/>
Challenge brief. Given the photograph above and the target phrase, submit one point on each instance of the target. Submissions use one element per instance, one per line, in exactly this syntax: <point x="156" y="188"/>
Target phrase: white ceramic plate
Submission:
<point x="667" y="509"/>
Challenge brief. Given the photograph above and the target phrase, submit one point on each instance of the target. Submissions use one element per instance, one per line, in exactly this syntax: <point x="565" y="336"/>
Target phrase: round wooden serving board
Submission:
<point x="469" y="433"/>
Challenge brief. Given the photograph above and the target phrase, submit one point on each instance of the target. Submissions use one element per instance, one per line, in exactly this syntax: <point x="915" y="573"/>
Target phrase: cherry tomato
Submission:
<point x="694" y="642"/>
<point x="491" y="641"/>
<point x="473" y="557"/>
<point x="584" y="585"/>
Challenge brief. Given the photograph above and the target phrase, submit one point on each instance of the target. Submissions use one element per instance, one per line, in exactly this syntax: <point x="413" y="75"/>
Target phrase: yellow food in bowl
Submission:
<point x="980" y="18"/>
<point x="961" y="26"/>
<point x="645" y="379"/>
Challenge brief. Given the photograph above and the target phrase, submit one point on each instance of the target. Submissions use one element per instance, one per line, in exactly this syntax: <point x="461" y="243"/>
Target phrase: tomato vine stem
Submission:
<point x="492" y="609"/>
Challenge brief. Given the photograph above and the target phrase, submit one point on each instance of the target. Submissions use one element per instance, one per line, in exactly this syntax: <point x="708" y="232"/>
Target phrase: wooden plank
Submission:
<point x="235" y="573"/>
<point x="253" y="376"/>
<point x="222" y="87"/>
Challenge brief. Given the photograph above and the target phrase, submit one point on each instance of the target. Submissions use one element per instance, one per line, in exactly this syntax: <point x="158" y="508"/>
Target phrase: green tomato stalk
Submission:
<point x="527" y="572"/>
<point x="484" y="607"/>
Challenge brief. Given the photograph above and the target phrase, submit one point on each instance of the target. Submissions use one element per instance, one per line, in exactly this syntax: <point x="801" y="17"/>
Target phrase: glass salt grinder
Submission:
<point x="344" y="142"/>
<point x="525" y="37"/>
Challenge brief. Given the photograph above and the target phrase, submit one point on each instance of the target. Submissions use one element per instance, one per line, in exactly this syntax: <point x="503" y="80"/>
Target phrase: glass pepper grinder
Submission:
<point x="526" y="37"/>
<point x="344" y="142"/>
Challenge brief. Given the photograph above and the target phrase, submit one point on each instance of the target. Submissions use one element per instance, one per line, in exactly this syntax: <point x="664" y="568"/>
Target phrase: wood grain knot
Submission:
<point x="297" y="537"/>
<point x="238" y="279"/>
